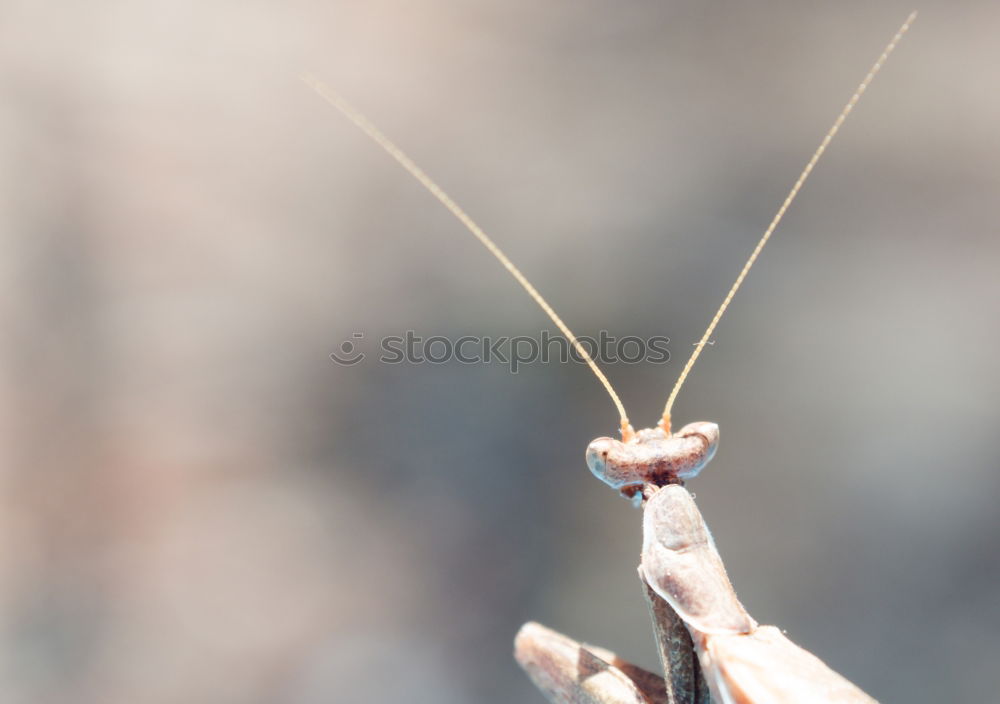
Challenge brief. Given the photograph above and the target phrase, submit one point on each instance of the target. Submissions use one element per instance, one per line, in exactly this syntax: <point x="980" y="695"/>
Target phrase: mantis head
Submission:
<point x="653" y="456"/>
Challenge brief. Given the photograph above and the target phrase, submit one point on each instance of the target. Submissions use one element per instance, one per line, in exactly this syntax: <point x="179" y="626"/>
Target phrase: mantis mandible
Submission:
<point x="710" y="647"/>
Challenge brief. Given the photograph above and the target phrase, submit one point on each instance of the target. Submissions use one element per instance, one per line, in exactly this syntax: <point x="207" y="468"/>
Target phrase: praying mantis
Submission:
<point x="711" y="649"/>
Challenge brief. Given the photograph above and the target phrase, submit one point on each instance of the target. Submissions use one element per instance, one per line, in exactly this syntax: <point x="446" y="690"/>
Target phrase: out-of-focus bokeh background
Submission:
<point x="197" y="505"/>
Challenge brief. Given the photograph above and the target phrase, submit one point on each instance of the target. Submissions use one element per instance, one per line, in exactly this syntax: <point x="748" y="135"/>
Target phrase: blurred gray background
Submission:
<point x="197" y="505"/>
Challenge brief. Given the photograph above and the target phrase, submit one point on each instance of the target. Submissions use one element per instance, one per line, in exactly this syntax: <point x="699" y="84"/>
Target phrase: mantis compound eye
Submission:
<point x="653" y="456"/>
<point x="598" y="453"/>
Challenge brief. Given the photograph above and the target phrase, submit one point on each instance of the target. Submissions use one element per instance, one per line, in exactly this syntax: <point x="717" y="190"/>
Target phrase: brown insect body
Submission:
<point x="711" y="649"/>
<point x="682" y="565"/>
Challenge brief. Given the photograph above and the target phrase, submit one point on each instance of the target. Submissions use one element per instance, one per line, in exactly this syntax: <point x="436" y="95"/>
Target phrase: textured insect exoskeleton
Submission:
<point x="711" y="649"/>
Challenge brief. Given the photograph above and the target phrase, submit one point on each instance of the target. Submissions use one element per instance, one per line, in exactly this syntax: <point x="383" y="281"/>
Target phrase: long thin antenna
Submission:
<point x="366" y="126"/>
<point x="665" y="421"/>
